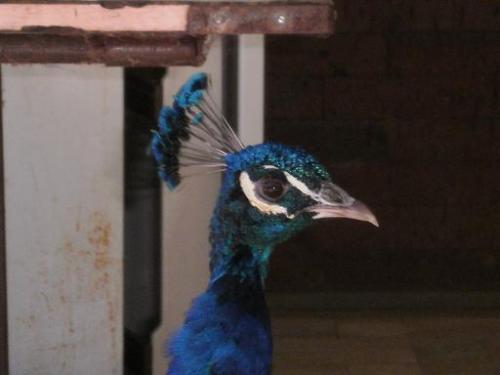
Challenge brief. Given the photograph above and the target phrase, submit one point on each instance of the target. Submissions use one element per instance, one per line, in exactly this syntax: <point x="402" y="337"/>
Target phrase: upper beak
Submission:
<point x="334" y="202"/>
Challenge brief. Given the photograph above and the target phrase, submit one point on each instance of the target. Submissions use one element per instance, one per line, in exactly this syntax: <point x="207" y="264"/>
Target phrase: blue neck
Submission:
<point x="233" y="253"/>
<point x="232" y="258"/>
<point x="227" y="329"/>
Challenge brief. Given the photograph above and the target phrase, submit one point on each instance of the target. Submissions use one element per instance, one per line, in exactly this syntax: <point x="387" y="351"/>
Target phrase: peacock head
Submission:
<point x="270" y="191"/>
<point x="273" y="191"/>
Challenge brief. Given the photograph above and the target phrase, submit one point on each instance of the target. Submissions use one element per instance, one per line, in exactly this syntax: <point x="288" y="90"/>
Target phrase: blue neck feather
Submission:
<point x="227" y="329"/>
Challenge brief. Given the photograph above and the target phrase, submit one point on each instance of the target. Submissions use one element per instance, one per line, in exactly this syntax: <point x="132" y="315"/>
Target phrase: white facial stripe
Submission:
<point x="267" y="208"/>
<point x="302" y="187"/>
<point x="299" y="185"/>
<point x="269" y="167"/>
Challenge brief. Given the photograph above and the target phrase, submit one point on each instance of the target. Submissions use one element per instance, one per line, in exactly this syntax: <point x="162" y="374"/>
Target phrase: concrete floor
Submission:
<point x="386" y="343"/>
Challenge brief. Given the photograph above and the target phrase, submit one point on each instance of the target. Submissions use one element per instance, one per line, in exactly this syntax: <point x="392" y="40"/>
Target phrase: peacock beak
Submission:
<point x="356" y="211"/>
<point x="333" y="202"/>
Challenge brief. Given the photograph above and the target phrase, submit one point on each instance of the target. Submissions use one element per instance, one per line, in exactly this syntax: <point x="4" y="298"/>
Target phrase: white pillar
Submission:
<point x="251" y="89"/>
<point x="63" y="142"/>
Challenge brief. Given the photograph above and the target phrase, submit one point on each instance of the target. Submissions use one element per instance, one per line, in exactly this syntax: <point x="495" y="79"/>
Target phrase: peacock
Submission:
<point x="269" y="192"/>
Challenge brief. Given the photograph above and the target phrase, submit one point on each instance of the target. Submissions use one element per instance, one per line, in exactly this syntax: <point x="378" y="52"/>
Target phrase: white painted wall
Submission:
<point x="186" y="215"/>
<point x="63" y="130"/>
<point x="251" y="59"/>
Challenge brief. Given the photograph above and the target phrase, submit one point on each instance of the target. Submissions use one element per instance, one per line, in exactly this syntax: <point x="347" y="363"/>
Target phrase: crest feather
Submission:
<point x="192" y="134"/>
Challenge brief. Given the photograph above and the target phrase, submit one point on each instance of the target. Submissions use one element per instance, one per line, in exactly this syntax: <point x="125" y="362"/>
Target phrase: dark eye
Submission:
<point x="271" y="188"/>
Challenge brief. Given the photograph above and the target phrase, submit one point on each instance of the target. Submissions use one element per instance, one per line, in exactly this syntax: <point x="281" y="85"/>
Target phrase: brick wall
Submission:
<point x="403" y="104"/>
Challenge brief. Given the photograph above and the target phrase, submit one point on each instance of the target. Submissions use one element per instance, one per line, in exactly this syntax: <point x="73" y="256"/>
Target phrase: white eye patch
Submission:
<point x="248" y="187"/>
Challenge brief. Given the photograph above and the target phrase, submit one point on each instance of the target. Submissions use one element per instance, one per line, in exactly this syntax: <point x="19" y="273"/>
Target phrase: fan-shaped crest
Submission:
<point x="192" y="134"/>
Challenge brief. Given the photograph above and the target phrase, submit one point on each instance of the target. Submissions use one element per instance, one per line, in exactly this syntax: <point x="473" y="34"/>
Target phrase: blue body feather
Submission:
<point x="226" y="332"/>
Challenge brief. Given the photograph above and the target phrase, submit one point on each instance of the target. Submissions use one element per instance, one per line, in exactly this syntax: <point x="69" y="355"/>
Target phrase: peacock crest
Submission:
<point x="193" y="135"/>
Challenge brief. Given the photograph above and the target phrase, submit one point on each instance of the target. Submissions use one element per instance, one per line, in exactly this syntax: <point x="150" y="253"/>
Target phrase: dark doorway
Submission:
<point x="403" y="105"/>
<point x="142" y="252"/>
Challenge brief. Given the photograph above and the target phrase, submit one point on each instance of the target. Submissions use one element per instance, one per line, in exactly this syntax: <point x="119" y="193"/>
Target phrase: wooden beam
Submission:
<point x="93" y="17"/>
<point x="114" y="50"/>
<point x="275" y="17"/>
<point x="193" y="17"/>
<point x="139" y="33"/>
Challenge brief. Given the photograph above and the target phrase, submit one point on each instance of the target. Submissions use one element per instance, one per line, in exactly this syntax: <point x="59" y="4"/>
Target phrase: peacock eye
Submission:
<point x="271" y="189"/>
